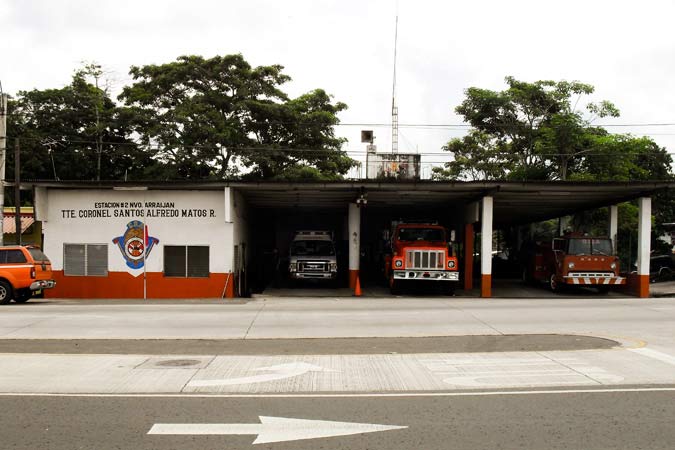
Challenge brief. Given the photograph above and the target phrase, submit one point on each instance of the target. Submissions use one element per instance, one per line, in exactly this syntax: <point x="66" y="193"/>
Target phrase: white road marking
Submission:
<point x="274" y="429"/>
<point x="663" y="357"/>
<point x="349" y="395"/>
<point x="498" y="371"/>
<point x="282" y="371"/>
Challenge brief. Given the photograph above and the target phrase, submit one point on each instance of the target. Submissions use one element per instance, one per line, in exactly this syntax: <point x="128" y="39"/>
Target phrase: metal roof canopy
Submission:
<point x="514" y="202"/>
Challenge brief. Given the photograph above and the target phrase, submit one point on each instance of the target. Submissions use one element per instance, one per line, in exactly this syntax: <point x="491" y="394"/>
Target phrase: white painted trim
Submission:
<point x="228" y="205"/>
<point x="486" y="236"/>
<point x="614" y="226"/>
<point x="644" y="235"/>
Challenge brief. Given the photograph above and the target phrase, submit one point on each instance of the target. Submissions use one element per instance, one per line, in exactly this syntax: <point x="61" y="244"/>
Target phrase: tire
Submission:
<point x="553" y="284"/>
<point x="23" y="295"/>
<point x="665" y="274"/>
<point x="449" y="289"/>
<point x="394" y="287"/>
<point x="5" y="293"/>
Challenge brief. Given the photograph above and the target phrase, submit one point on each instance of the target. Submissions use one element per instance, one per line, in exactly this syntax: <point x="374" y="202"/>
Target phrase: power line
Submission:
<point x="380" y="124"/>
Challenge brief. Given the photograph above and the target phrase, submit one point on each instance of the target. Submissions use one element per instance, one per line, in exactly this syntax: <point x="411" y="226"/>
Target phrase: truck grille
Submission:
<point x="312" y="266"/>
<point x="425" y="259"/>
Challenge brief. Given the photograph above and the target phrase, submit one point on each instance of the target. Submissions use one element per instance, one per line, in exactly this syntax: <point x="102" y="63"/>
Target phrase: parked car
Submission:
<point x="661" y="268"/>
<point x="24" y="270"/>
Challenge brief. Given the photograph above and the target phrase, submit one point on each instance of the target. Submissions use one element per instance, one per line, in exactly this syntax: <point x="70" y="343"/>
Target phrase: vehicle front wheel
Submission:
<point x="5" y="293"/>
<point x="553" y="284"/>
<point x="394" y="287"/>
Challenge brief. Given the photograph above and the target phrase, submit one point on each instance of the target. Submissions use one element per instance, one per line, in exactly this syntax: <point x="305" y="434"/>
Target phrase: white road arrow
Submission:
<point x="274" y="429"/>
<point x="281" y="371"/>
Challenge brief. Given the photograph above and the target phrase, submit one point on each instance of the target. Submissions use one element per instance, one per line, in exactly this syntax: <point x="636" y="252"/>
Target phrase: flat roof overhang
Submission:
<point x="514" y="202"/>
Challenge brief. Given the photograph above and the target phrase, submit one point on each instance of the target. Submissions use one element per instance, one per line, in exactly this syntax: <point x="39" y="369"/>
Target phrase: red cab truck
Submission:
<point x="573" y="260"/>
<point x="420" y="252"/>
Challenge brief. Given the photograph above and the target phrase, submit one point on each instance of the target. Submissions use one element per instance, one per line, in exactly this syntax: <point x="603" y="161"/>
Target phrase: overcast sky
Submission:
<point x="625" y="49"/>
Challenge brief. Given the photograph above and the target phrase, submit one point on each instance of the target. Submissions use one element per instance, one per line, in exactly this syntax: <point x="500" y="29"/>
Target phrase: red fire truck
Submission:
<point x="573" y="260"/>
<point x="420" y="251"/>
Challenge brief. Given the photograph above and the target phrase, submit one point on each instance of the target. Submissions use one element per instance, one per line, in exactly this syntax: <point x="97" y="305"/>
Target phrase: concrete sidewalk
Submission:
<point x="645" y="328"/>
<point x="652" y="320"/>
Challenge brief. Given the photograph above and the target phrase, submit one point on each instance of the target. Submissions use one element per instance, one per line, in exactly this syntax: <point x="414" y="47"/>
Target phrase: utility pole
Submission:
<point x="17" y="190"/>
<point x="3" y="144"/>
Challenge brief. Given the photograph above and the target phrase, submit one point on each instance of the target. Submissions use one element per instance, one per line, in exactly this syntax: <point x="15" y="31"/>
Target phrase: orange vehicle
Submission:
<point x="24" y="270"/>
<point x="574" y="260"/>
<point x="420" y="251"/>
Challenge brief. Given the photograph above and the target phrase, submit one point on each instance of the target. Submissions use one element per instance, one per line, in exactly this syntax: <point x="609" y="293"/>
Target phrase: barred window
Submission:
<point x="191" y="261"/>
<point x="85" y="260"/>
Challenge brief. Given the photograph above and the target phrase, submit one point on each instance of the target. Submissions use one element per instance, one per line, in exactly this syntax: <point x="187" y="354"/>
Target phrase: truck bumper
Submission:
<point x="313" y="276"/>
<point x="594" y="280"/>
<point x="42" y="284"/>
<point x="431" y="275"/>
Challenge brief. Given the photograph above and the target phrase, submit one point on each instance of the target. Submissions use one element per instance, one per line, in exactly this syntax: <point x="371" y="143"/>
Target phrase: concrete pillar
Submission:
<point x="228" y="204"/>
<point x="644" y="246"/>
<point x="486" y="247"/>
<point x="614" y="226"/>
<point x="468" y="257"/>
<point x="354" y="243"/>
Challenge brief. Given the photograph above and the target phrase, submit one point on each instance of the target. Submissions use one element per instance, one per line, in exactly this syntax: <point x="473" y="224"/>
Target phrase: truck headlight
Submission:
<point x="570" y="265"/>
<point x="398" y="263"/>
<point x="451" y="264"/>
<point x="333" y="267"/>
<point x="293" y="267"/>
<point x="612" y="266"/>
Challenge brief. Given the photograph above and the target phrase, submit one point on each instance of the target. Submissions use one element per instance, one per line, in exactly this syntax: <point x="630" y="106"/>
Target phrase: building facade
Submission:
<point x="139" y="243"/>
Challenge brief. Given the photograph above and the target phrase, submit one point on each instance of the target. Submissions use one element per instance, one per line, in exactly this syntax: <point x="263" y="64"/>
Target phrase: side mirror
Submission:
<point x="558" y="244"/>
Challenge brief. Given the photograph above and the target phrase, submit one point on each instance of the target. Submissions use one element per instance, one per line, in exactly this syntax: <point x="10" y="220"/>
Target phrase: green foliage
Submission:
<point x="617" y="157"/>
<point x="476" y="157"/>
<point x="209" y="118"/>
<point x="534" y="132"/>
<point x="70" y="127"/>
<point x="528" y="120"/>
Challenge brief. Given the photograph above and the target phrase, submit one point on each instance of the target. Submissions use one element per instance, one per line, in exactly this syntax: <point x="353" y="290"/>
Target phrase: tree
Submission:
<point x="65" y="133"/>
<point x="213" y="118"/>
<point x="476" y="157"/>
<point x="535" y="125"/>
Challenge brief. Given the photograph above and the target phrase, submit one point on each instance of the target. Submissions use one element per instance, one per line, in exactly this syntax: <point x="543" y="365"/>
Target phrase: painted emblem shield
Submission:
<point x="135" y="244"/>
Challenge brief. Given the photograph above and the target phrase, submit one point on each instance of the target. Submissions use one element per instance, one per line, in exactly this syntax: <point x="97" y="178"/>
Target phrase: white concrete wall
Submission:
<point x="65" y="221"/>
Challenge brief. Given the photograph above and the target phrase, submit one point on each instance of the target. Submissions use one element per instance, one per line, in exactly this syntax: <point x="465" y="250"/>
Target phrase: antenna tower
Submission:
<point x="394" y="108"/>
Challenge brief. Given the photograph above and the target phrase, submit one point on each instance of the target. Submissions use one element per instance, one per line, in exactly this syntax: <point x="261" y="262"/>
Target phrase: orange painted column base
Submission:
<point x="642" y="286"/>
<point x="353" y="275"/>
<point x="486" y="286"/>
<point x="468" y="257"/>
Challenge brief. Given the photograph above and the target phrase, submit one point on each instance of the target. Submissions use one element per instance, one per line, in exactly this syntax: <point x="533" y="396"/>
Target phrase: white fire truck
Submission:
<point x="312" y="256"/>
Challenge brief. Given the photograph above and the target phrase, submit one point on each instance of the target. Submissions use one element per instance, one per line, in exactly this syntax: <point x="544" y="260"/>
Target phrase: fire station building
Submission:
<point x="226" y="239"/>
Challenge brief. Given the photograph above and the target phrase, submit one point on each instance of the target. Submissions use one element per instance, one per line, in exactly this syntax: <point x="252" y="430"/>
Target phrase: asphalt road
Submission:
<point x="588" y="421"/>
<point x="335" y="346"/>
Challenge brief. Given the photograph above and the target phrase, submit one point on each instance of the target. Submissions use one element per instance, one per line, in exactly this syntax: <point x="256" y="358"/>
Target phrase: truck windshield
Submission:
<point x="312" y="248"/>
<point x="421" y="234"/>
<point x="589" y="246"/>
